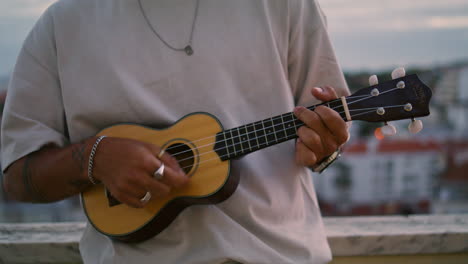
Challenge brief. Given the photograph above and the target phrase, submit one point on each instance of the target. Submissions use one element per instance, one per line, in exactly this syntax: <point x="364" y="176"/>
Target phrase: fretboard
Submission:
<point x="242" y="140"/>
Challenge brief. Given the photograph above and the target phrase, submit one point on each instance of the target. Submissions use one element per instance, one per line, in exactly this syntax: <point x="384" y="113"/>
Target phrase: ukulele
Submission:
<point x="204" y="150"/>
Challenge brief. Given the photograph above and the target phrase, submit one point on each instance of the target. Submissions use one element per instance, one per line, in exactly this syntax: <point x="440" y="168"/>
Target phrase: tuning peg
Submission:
<point x="388" y="130"/>
<point x="415" y="126"/>
<point x="373" y="80"/>
<point x="398" y="73"/>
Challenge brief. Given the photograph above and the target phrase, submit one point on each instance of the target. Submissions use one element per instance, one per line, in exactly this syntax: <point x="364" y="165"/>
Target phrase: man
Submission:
<point x="91" y="64"/>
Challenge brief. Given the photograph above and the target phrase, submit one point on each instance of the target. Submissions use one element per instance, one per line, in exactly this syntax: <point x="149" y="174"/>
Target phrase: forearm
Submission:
<point x="50" y="174"/>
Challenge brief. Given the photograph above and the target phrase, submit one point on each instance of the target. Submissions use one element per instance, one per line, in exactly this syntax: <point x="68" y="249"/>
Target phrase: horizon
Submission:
<point x="367" y="35"/>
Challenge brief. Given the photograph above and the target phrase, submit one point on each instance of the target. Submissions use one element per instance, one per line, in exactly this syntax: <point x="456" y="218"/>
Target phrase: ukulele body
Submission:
<point x="191" y="141"/>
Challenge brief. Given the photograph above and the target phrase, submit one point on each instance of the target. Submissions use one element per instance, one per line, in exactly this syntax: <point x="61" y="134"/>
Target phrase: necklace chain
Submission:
<point x="188" y="49"/>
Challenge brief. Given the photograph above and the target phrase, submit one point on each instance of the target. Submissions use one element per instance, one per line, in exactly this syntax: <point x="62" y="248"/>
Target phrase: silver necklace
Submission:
<point x="188" y="49"/>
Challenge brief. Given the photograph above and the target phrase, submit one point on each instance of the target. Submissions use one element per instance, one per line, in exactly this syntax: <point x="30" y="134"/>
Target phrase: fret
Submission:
<point x="239" y="142"/>
<point x="230" y="141"/>
<point x="252" y="135"/>
<point x="290" y="125"/>
<point x="260" y="132"/>
<point x="221" y="146"/>
<point x="234" y="140"/>
<point x="273" y="126"/>
<point x="244" y="136"/>
<point x="269" y="133"/>
<point x="230" y="151"/>
<point x="278" y="127"/>
<point x="284" y="125"/>
<point x="226" y="145"/>
<point x="293" y="117"/>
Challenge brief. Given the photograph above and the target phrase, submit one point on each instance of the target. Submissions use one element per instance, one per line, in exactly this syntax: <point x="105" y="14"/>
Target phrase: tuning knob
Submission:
<point x="389" y="130"/>
<point x="398" y="73"/>
<point x="373" y="80"/>
<point x="415" y="126"/>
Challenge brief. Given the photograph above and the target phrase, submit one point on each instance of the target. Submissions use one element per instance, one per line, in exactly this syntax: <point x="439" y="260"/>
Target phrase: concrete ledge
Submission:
<point x="349" y="237"/>
<point x="396" y="235"/>
<point x="40" y="243"/>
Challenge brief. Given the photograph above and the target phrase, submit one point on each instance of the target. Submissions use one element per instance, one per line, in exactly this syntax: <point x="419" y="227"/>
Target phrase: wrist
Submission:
<point x="91" y="160"/>
<point x="325" y="162"/>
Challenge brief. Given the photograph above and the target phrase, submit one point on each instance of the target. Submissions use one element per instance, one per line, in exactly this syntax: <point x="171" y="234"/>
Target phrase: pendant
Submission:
<point x="188" y="50"/>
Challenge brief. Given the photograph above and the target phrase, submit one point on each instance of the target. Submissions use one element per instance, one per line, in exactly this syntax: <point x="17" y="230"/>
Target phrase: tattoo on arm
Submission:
<point x="78" y="155"/>
<point x="80" y="159"/>
<point x="29" y="186"/>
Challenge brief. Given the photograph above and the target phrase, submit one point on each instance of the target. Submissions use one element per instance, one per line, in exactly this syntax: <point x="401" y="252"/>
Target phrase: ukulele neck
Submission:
<point x="239" y="141"/>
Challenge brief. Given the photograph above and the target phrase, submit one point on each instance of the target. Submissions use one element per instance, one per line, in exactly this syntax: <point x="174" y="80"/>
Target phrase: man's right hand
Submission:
<point x="126" y="168"/>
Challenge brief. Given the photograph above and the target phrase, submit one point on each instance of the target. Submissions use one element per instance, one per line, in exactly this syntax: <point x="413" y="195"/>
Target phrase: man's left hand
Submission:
<point x="324" y="130"/>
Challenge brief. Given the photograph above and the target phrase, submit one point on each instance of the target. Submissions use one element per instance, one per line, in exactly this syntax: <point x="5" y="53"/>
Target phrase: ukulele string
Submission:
<point x="313" y="107"/>
<point x="363" y="97"/>
<point x="264" y="136"/>
<point x="226" y="155"/>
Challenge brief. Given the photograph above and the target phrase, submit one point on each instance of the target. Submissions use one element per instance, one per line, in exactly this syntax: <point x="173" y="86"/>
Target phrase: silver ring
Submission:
<point x="159" y="173"/>
<point x="146" y="198"/>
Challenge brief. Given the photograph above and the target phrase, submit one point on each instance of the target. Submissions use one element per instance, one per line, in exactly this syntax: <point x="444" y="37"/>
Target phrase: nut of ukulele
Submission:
<point x="415" y="126"/>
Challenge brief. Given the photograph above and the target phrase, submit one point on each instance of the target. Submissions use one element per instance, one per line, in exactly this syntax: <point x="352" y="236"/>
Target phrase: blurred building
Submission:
<point x="382" y="177"/>
<point x="403" y="174"/>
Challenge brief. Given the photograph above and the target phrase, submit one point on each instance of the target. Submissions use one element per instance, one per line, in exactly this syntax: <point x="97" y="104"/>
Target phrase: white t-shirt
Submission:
<point x="89" y="64"/>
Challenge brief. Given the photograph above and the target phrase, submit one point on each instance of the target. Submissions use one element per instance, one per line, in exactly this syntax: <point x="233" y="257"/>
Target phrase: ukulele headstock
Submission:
<point x="401" y="98"/>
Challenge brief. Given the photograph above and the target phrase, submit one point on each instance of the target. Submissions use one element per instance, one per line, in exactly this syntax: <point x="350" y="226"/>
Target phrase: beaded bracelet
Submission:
<point x="91" y="160"/>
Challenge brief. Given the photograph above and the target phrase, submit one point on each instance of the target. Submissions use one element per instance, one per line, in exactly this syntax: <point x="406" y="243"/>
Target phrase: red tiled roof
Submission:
<point x="359" y="147"/>
<point x="408" y="146"/>
<point x="393" y="146"/>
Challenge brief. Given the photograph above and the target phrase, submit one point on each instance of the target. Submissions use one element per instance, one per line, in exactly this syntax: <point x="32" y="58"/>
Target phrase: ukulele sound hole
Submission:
<point x="183" y="154"/>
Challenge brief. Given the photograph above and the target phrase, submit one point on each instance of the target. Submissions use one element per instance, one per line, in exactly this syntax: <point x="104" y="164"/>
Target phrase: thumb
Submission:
<point x="325" y="93"/>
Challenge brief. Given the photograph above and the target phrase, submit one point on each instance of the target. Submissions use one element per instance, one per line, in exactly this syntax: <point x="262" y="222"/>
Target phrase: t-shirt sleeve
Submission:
<point x="34" y="115"/>
<point x="311" y="57"/>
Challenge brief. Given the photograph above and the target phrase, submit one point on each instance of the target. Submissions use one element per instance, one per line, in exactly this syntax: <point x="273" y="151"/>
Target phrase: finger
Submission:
<point x="156" y="188"/>
<point x="304" y="156"/>
<point x="130" y="200"/>
<point x="129" y="187"/>
<point x="322" y="135"/>
<point x="137" y="185"/>
<point x="312" y="141"/>
<point x="325" y="93"/>
<point x="173" y="175"/>
<point x="174" y="178"/>
<point x="134" y="202"/>
<point x="335" y="124"/>
<point x="166" y="158"/>
<point x="172" y="162"/>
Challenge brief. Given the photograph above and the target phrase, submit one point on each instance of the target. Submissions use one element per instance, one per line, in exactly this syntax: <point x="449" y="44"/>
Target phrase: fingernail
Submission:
<point x="298" y="109"/>
<point x="318" y="89"/>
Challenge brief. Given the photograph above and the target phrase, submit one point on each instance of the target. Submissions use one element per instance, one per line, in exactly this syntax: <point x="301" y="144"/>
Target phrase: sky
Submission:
<point x="367" y="34"/>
